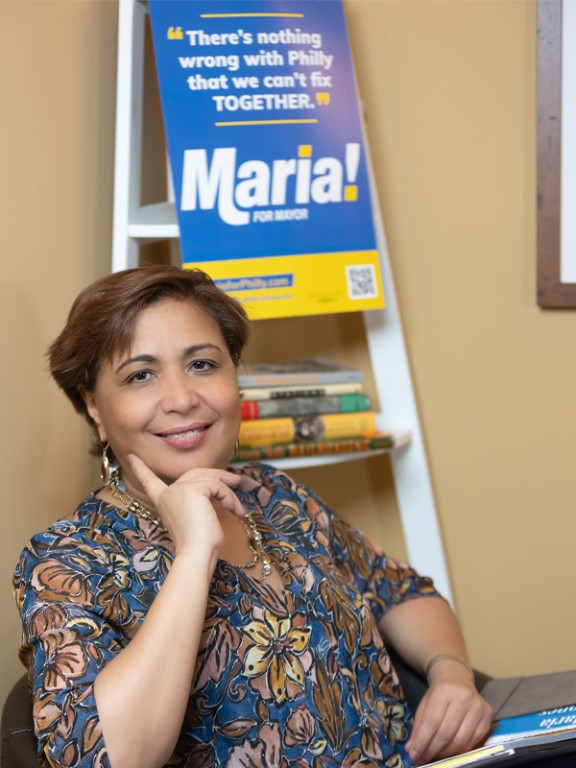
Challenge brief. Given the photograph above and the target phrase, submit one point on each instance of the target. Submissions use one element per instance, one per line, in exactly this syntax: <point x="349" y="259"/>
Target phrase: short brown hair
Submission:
<point x="102" y="318"/>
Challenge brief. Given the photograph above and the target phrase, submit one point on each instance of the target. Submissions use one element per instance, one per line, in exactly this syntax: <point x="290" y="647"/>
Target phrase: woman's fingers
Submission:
<point x="449" y="720"/>
<point x="212" y="483"/>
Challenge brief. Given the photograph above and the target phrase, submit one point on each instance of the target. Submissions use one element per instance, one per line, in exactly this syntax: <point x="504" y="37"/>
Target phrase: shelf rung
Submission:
<point x="154" y="221"/>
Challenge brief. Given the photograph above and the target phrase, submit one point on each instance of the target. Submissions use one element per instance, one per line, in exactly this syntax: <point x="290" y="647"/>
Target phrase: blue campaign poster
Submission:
<point x="267" y="152"/>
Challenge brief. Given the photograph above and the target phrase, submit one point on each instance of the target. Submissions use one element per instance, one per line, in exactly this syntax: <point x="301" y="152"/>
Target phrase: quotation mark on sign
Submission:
<point x="323" y="99"/>
<point x="175" y="33"/>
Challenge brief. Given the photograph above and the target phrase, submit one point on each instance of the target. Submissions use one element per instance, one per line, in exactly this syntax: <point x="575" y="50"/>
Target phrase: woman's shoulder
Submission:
<point x="92" y="512"/>
<point x="93" y="525"/>
<point x="95" y="541"/>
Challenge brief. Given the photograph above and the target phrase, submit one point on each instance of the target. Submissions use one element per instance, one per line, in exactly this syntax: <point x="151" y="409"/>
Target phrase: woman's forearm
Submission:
<point x="142" y="694"/>
<point x="421" y="630"/>
<point x="452" y="717"/>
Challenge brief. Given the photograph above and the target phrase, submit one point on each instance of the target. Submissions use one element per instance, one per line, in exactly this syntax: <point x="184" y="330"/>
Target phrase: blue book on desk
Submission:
<point x="513" y="752"/>
<point x="546" y="721"/>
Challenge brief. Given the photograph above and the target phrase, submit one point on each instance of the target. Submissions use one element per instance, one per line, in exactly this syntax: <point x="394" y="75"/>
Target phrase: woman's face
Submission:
<point x="172" y="399"/>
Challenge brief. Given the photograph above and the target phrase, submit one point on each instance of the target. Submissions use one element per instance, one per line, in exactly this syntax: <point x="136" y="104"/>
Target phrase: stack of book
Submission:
<point x="309" y="407"/>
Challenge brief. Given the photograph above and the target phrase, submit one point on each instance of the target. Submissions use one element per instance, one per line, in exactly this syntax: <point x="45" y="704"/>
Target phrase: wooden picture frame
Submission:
<point x="551" y="291"/>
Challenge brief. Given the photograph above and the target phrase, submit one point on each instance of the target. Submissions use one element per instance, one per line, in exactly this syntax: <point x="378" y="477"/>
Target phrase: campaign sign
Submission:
<point x="267" y="152"/>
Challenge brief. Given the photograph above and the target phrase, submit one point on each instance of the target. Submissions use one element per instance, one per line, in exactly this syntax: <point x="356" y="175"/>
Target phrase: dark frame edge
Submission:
<point x="551" y="293"/>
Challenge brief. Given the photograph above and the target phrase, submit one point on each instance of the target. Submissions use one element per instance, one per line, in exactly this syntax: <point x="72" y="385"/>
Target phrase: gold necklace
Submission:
<point x="252" y="533"/>
<point x="133" y="504"/>
<point x="255" y="545"/>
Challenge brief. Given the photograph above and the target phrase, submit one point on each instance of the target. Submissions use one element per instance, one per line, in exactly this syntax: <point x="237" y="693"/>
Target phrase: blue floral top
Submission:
<point x="298" y="677"/>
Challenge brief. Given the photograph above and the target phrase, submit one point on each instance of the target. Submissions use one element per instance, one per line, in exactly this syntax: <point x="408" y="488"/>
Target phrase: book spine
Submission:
<point x="329" y="426"/>
<point x="303" y="406"/>
<point x="316" y="448"/>
<point x="281" y="393"/>
<point x="302" y="378"/>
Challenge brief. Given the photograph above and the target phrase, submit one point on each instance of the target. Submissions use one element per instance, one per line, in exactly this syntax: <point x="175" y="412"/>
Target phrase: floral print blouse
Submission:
<point x="298" y="677"/>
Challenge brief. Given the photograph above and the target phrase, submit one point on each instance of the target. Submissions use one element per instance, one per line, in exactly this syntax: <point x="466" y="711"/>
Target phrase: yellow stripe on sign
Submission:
<point x="314" y="284"/>
<point x="264" y="122"/>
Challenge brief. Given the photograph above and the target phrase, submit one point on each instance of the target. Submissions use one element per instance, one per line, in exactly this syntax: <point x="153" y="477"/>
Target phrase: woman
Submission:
<point x="187" y="613"/>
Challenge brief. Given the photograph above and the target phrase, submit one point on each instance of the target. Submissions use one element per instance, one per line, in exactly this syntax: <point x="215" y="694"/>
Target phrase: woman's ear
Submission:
<point x="93" y="412"/>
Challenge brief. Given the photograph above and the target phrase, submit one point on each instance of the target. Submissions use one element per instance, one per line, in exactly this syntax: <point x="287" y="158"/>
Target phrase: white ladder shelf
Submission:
<point x="135" y="224"/>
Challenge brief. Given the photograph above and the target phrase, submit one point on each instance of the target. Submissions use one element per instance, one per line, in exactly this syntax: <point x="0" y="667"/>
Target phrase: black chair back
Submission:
<point x="17" y="728"/>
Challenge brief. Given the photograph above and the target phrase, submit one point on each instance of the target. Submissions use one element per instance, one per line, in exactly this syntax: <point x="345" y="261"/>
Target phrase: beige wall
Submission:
<point x="57" y="93"/>
<point x="449" y="90"/>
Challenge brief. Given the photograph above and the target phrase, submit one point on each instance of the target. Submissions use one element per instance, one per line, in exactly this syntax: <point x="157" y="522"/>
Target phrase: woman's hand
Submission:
<point x="187" y="506"/>
<point x="452" y="717"/>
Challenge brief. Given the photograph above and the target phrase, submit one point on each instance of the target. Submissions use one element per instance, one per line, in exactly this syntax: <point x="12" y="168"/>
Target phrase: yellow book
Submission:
<point x="331" y="426"/>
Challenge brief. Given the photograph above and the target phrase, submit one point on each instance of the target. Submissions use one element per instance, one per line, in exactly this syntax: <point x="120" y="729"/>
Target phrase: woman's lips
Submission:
<point x="184" y="438"/>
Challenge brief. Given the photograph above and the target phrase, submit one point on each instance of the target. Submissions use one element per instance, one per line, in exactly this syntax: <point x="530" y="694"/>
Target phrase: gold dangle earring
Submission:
<point x="237" y="443"/>
<point x="108" y="470"/>
<point x="105" y="464"/>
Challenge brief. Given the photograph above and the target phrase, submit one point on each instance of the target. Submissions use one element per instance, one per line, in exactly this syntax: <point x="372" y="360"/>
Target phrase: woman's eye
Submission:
<point x="201" y="365"/>
<point x="138" y="377"/>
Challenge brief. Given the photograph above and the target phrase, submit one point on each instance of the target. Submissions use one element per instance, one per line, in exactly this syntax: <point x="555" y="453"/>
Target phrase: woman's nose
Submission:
<point x="179" y="393"/>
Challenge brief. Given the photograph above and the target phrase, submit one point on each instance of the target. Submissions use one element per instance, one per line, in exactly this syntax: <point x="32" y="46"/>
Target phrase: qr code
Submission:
<point x="362" y="283"/>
